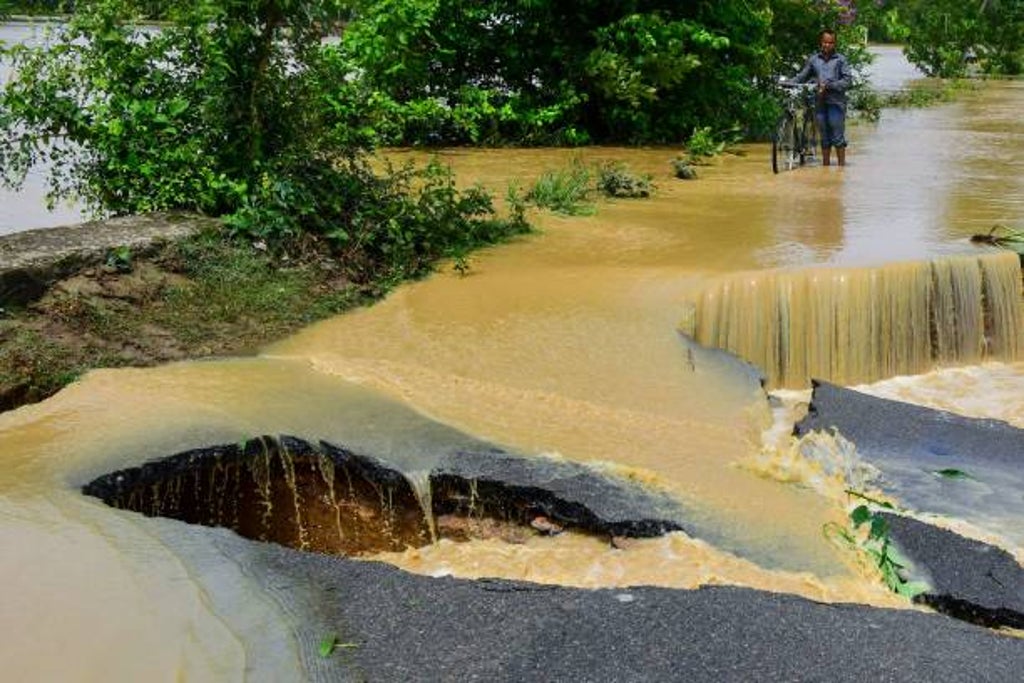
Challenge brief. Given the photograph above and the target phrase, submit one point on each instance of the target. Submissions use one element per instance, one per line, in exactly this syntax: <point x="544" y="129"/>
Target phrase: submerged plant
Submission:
<point x="684" y="169"/>
<point x="615" y="179"/>
<point x="868" y="533"/>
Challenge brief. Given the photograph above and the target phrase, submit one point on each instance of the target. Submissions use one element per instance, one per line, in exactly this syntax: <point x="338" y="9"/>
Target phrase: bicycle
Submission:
<point x="795" y="140"/>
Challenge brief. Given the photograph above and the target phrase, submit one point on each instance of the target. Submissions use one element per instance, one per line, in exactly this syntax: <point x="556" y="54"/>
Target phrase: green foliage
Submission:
<point x="238" y="108"/>
<point x="868" y="534"/>
<point x="565" y="191"/>
<point x="703" y="145"/>
<point x="120" y="259"/>
<point x="881" y="20"/>
<point x="35" y="7"/>
<point x="330" y="643"/>
<point x="134" y="119"/>
<point x="615" y="179"/>
<point x="493" y="72"/>
<point x="868" y="103"/>
<point x="949" y="37"/>
<point x="450" y="72"/>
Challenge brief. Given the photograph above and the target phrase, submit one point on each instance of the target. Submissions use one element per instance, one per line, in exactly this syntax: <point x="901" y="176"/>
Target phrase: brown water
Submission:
<point x="565" y="343"/>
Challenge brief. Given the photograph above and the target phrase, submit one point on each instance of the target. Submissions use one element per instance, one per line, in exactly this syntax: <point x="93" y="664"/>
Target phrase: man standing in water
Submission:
<point x="832" y="73"/>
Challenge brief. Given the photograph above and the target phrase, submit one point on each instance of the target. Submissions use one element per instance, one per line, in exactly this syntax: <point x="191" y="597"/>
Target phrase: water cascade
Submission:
<point x="855" y="325"/>
<point x="326" y="499"/>
<point x="280" y="490"/>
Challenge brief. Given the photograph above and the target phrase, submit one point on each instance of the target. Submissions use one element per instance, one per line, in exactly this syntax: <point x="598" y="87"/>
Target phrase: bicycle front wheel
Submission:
<point x="785" y="155"/>
<point x="810" y="140"/>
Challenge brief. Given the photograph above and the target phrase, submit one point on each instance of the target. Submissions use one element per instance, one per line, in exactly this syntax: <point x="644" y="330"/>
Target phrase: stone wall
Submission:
<point x="31" y="261"/>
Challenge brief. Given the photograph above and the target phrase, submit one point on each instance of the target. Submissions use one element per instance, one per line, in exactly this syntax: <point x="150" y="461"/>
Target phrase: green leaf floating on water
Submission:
<point x="952" y="473"/>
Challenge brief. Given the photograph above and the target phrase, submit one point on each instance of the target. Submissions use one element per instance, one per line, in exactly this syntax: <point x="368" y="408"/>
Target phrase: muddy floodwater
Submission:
<point x="565" y="345"/>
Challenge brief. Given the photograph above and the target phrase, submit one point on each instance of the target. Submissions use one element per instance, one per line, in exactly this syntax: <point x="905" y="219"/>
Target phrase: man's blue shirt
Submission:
<point x="834" y="71"/>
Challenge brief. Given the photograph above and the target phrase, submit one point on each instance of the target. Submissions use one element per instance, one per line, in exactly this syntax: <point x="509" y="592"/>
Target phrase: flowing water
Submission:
<point x="565" y="344"/>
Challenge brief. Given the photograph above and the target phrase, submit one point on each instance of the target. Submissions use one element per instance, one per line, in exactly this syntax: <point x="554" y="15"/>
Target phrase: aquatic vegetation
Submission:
<point x="868" y="102"/>
<point x="683" y="169"/>
<point x="615" y="179"/>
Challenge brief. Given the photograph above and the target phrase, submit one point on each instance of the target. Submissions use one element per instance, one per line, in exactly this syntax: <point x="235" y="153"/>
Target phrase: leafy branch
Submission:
<point x="868" y="534"/>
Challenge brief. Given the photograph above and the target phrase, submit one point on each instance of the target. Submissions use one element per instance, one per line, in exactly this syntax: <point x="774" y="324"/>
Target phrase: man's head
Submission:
<point x="827" y="42"/>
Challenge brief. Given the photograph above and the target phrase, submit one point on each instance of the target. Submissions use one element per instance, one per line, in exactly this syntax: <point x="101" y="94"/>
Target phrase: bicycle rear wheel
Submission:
<point x="809" y="149"/>
<point x="785" y="155"/>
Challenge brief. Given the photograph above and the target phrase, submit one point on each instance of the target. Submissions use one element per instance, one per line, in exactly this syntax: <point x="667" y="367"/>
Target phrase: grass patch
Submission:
<point x="229" y="285"/>
<point x="213" y="294"/>
<point x="565" y="191"/>
<point x="33" y="366"/>
<point x="869" y="103"/>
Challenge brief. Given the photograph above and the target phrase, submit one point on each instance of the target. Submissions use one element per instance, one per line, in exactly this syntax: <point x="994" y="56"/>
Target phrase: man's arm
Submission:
<point x="805" y="73"/>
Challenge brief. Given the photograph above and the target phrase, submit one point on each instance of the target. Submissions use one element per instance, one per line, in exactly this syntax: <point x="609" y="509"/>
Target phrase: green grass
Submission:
<point x="565" y="191"/>
<point x="258" y="295"/>
<point x="869" y="103"/>
<point x="33" y="366"/>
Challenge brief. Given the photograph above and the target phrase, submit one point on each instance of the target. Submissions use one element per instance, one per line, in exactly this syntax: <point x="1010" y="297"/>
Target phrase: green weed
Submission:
<point x="565" y="191"/>
<point x="330" y="643"/>
<point x="33" y="366"/>
<point x="702" y="145"/>
<point x="868" y="533"/>
<point x="120" y="259"/>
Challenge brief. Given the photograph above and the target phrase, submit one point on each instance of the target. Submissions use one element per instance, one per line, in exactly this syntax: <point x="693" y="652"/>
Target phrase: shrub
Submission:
<point x="615" y="179"/>
<point x="565" y="191"/>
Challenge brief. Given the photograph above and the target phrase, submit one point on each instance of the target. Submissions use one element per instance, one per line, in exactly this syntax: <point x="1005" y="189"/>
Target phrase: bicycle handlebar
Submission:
<point x="791" y="85"/>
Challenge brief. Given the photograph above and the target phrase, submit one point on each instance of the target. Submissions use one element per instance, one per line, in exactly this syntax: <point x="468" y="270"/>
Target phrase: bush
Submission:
<point x="564" y="191"/>
<point x="616" y="180"/>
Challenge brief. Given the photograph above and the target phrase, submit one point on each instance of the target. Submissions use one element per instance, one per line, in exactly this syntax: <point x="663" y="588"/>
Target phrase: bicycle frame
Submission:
<point x="795" y="139"/>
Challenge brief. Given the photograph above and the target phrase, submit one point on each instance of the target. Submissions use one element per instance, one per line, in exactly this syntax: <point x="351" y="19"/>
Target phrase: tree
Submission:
<point x="231" y="110"/>
<point x="573" y="71"/>
<point x="946" y="36"/>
